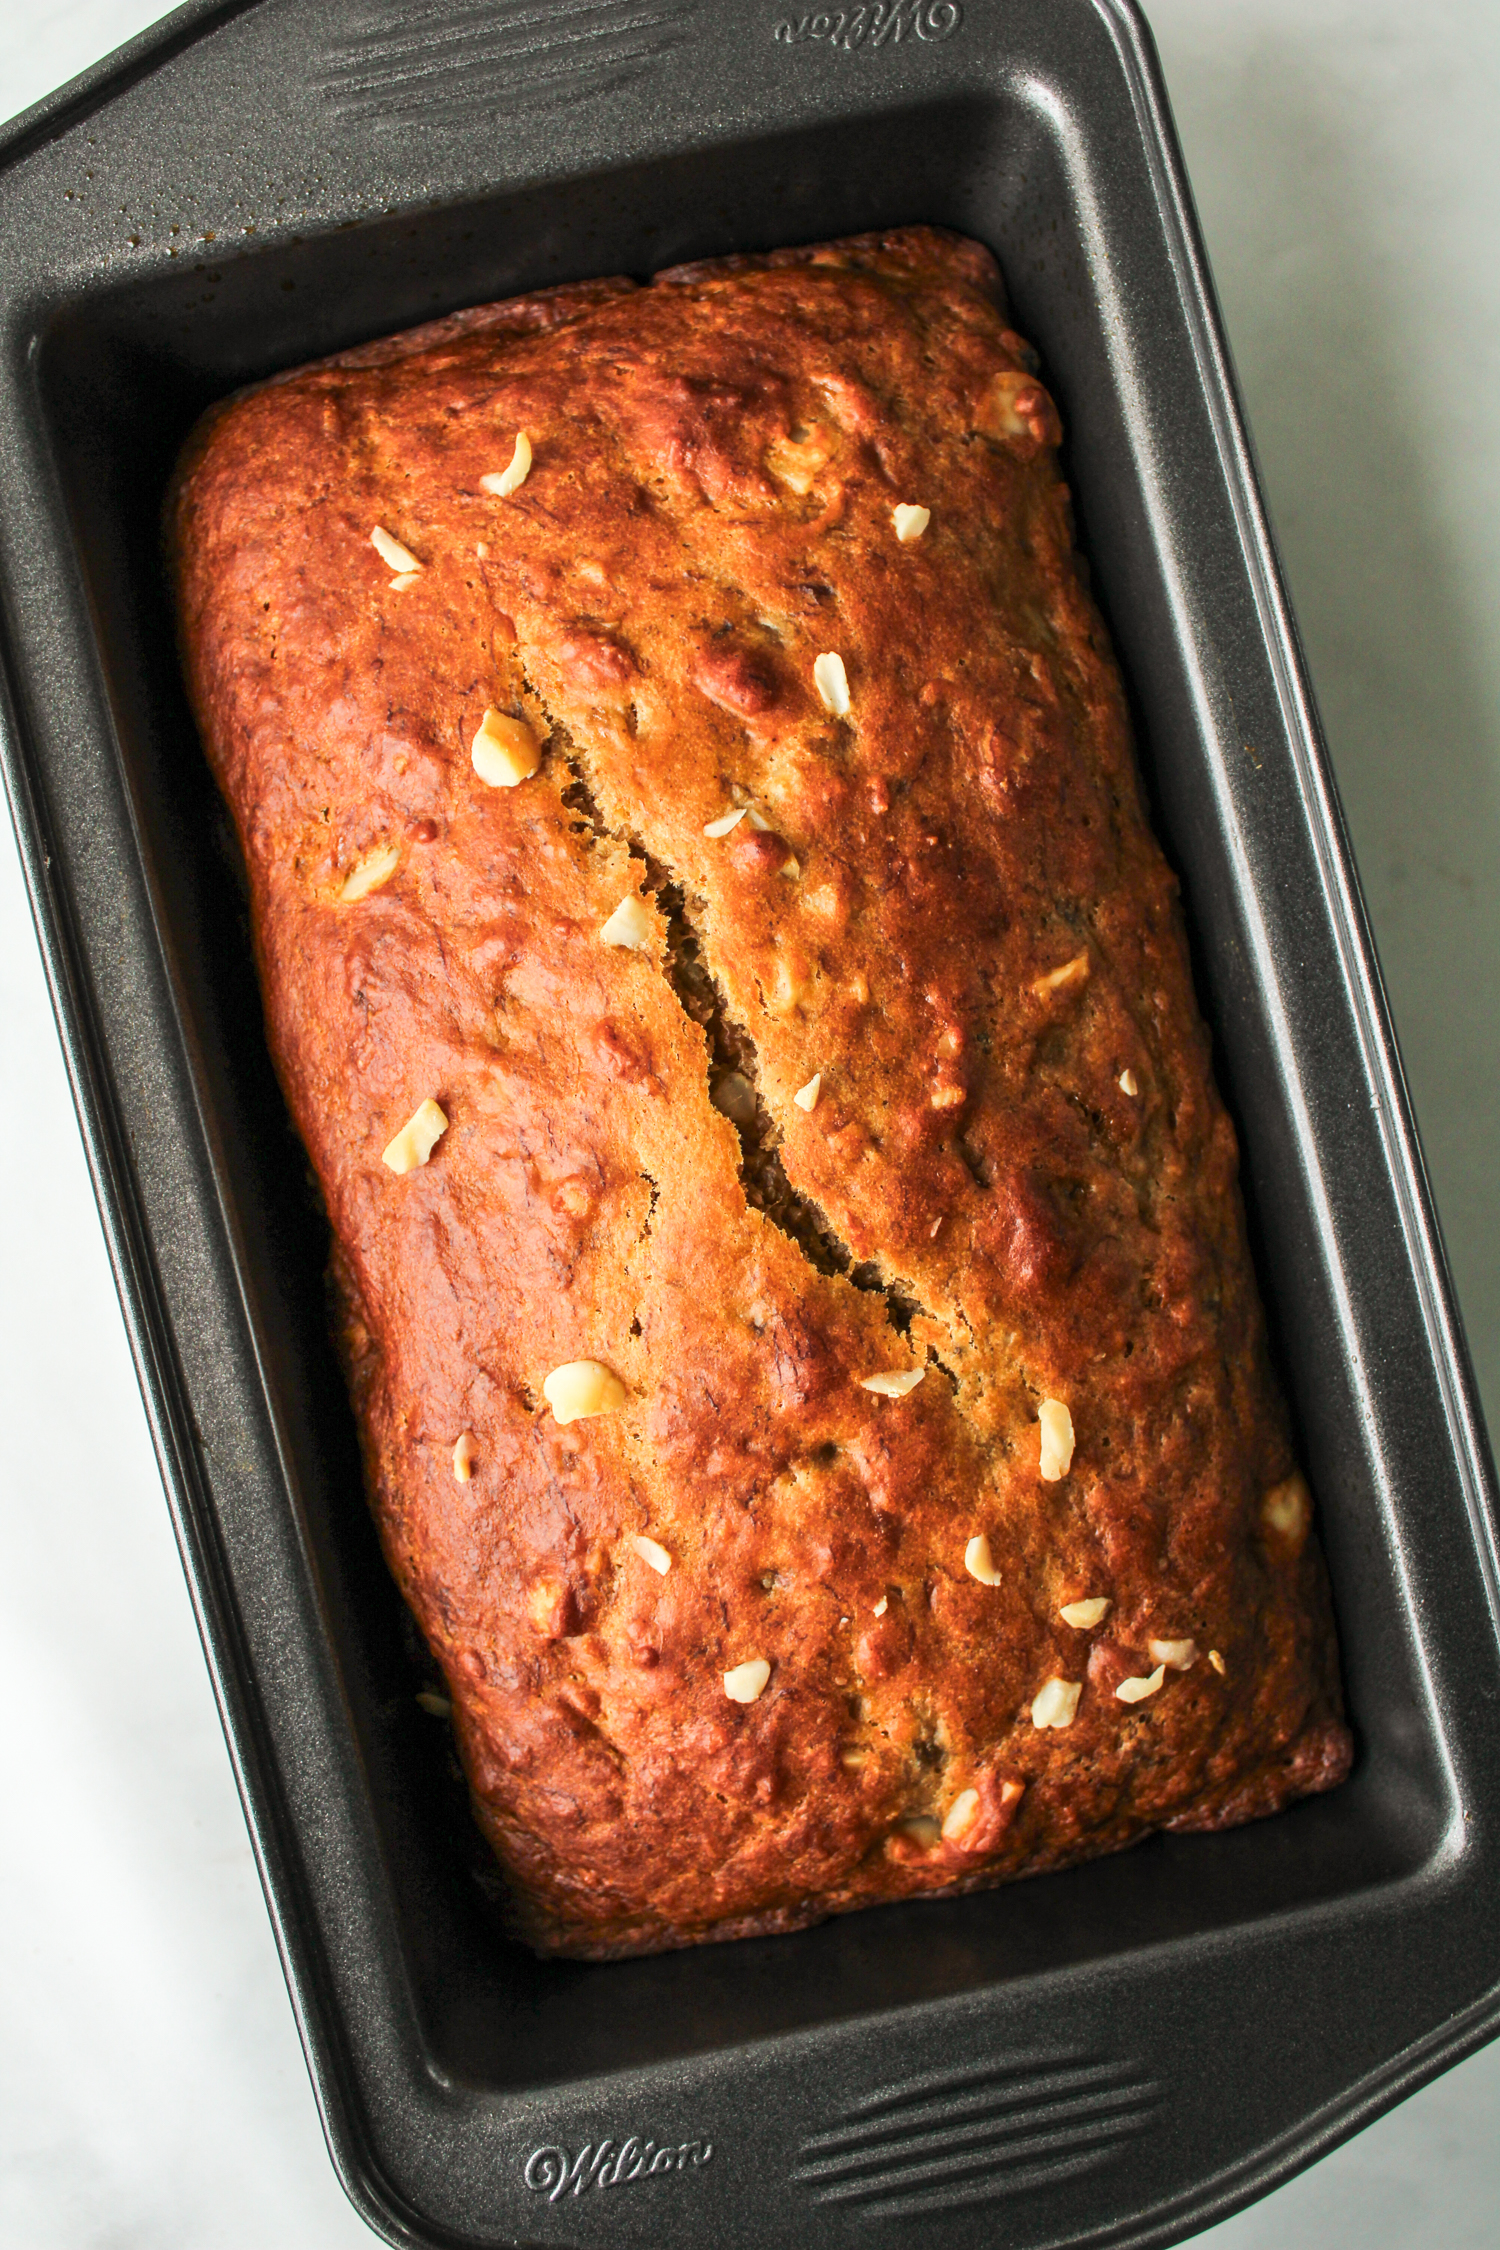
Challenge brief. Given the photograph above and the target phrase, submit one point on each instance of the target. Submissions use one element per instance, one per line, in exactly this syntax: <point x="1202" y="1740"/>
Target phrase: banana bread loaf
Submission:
<point x="793" y="1282"/>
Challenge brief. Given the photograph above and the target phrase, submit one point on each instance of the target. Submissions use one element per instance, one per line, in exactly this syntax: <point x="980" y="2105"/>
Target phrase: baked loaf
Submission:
<point x="792" y="1275"/>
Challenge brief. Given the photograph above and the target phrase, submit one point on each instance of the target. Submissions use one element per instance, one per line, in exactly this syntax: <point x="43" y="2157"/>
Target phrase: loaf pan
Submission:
<point x="1116" y="2055"/>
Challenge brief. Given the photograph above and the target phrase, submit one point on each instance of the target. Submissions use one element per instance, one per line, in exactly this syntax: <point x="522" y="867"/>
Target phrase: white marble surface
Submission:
<point x="1346" y="159"/>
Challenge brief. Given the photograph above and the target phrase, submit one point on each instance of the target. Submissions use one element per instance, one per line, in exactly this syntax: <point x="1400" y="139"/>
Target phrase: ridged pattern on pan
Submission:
<point x="977" y="2135"/>
<point x="459" y="62"/>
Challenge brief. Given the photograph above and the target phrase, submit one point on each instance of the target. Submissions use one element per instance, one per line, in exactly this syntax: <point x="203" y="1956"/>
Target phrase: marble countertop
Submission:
<point x="1346" y="161"/>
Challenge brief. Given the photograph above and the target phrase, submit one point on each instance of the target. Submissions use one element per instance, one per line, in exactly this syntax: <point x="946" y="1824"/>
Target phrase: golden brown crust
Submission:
<point x="1020" y="1181"/>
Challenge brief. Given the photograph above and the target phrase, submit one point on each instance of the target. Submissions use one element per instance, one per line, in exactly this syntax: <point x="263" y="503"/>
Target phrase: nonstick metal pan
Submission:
<point x="1116" y="2055"/>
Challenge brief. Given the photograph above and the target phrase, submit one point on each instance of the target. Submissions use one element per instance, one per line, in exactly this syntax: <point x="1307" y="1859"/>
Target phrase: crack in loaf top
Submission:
<point x="755" y="588"/>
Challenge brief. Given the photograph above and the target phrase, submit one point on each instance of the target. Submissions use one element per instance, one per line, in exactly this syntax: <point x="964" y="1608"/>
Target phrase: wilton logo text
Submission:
<point x="552" y="2172"/>
<point x="873" y="25"/>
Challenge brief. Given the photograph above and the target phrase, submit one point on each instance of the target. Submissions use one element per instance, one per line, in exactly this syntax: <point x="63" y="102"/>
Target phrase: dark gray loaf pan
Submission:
<point x="1116" y="2055"/>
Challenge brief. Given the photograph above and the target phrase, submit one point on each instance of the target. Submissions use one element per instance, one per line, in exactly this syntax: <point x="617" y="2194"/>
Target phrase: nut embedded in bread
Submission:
<point x="409" y="1149"/>
<point x="1055" y="1456"/>
<point x="583" y="1387"/>
<point x="1055" y="1703"/>
<point x="505" y="751"/>
<point x="835" y="1181"/>
<point x="502" y="483"/>
<point x="1086" y="1613"/>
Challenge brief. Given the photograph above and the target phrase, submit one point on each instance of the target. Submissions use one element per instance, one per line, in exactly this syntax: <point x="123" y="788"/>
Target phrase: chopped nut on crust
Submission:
<point x="789" y="982"/>
<point x="417" y="1139"/>
<point x="922" y="1830"/>
<point x="889" y="1385"/>
<point x="1178" y="1656"/>
<point x="369" y="871"/>
<point x="979" y="1828"/>
<point x="806" y="1097"/>
<point x="760" y="850"/>
<point x="581" y="1387"/>
<point x="1217" y="1661"/>
<point x="1286" y="1513"/>
<point x="1057" y="1439"/>
<point x="403" y="579"/>
<point x="1055" y="1703"/>
<point x="725" y="822"/>
<point x="505" y="751"/>
<point x="465" y="1455"/>
<point x="1136" y="1691"/>
<point x="1086" y="1614"/>
<point x="651" y="1551"/>
<point x="553" y="1609"/>
<point x="979" y="1563"/>
<point x="882" y="1606"/>
<point x="503" y="482"/>
<point x="392" y="552"/>
<point x="747" y="1681"/>
<point x="1129" y="1083"/>
<point x="854" y="1756"/>
<point x="1071" y="972"/>
<point x="910" y="521"/>
<point x="1016" y="406"/>
<point x="795" y="460"/>
<point x="632" y="925"/>
<point x="960" y="1815"/>
<point x="832" y="683"/>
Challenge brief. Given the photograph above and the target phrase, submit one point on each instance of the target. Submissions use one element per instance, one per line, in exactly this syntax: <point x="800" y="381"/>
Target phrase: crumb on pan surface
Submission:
<point x="830" y="1253"/>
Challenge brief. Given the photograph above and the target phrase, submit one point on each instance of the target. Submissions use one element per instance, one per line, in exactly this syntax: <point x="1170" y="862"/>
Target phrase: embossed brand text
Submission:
<point x="873" y="25"/>
<point x="552" y="2171"/>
